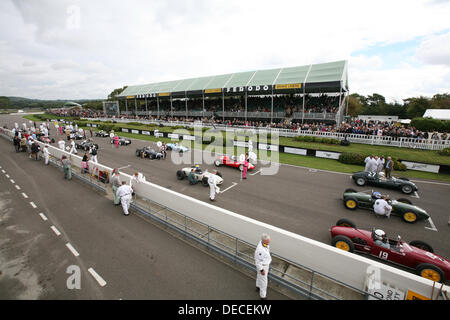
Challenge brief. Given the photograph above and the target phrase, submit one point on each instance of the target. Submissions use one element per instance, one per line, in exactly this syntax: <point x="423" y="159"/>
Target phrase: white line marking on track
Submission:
<point x="56" y="231"/>
<point x="433" y="227"/>
<point x="416" y="195"/>
<point x="7" y="176"/>
<point x="3" y="171"/>
<point x="12" y="181"/>
<point x="234" y="184"/>
<point x="33" y="205"/>
<point x="43" y="216"/>
<point x="252" y="174"/>
<point x="438" y="183"/>
<point x="24" y="195"/>
<point x="72" y="249"/>
<point x="17" y="187"/>
<point x="96" y="276"/>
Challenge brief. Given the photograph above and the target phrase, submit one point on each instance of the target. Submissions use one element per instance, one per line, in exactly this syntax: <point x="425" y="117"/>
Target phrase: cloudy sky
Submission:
<point x="75" y="49"/>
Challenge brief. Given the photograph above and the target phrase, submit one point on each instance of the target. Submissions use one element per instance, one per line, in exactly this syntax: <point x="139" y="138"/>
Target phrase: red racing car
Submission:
<point x="45" y="139"/>
<point x="232" y="162"/>
<point x="416" y="255"/>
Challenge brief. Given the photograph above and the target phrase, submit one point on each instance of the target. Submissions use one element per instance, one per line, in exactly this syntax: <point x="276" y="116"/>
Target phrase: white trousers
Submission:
<point x="94" y="158"/>
<point x="212" y="191"/>
<point x="125" y="200"/>
<point x="73" y="150"/>
<point x="261" y="281"/>
<point x="46" y="160"/>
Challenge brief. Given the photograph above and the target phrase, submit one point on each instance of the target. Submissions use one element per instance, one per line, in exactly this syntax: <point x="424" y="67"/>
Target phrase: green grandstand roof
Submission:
<point x="315" y="78"/>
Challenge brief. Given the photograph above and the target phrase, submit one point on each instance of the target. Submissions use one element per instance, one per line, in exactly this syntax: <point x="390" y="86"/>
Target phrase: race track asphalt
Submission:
<point x="301" y="200"/>
<point x="135" y="258"/>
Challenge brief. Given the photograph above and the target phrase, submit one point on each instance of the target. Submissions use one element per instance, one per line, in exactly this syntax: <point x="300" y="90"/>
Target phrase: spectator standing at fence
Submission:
<point x="35" y="150"/>
<point x="85" y="163"/>
<point x="389" y="167"/>
<point x="46" y="155"/>
<point x="67" y="167"/>
<point x="115" y="181"/>
<point x="262" y="262"/>
<point x="16" y="142"/>
<point x="23" y="144"/>
<point x="124" y="192"/>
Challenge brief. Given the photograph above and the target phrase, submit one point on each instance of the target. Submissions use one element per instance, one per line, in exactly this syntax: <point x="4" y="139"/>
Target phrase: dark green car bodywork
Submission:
<point x="374" y="179"/>
<point x="401" y="207"/>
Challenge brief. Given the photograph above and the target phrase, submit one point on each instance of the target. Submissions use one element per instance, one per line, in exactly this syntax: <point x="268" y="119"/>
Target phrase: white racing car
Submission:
<point x="199" y="176"/>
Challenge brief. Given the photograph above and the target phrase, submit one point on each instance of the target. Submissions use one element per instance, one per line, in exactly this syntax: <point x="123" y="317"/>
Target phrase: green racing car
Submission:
<point x="400" y="207"/>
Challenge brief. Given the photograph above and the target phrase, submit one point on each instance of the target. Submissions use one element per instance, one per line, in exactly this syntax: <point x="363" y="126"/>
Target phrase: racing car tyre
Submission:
<point x="180" y="175"/>
<point x="53" y="140"/>
<point x="138" y="153"/>
<point x="360" y="181"/>
<point x="205" y="182"/>
<point x="350" y="190"/>
<point x="403" y="200"/>
<point x="430" y="271"/>
<point x="168" y="148"/>
<point x="345" y="223"/>
<point x="409" y="217"/>
<point x="217" y="163"/>
<point x="407" y="189"/>
<point x="422" y="245"/>
<point x="351" y="203"/>
<point x="241" y="167"/>
<point x="343" y="243"/>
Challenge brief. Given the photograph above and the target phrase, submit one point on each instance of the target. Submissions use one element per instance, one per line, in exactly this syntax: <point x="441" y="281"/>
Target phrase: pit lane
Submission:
<point x="307" y="202"/>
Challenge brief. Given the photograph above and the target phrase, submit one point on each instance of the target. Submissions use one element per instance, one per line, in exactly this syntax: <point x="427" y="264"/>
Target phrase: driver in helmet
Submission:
<point x="197" y="169"/>
<point x="381" y="239"/>
<point x="381" y="207"/>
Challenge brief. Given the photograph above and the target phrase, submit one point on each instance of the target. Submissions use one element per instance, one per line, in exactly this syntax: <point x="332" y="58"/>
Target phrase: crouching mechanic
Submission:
<point x="191" y="177"/>
<point x="382" y="207"/>
<point x="124" y="192"/>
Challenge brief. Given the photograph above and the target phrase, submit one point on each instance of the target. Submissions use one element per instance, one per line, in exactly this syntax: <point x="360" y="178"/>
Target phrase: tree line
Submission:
<point x="411" y="108"/>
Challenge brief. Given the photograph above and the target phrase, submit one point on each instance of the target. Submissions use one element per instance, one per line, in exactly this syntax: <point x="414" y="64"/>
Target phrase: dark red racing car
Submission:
<point x="416" y="255"/>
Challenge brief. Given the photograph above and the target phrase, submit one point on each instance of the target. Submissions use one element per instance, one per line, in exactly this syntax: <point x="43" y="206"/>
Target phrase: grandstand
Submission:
<point x="311" y="92"/>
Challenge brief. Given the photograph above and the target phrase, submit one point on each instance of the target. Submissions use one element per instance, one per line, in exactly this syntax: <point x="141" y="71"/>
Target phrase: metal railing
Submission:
<point x="310" y="284"/>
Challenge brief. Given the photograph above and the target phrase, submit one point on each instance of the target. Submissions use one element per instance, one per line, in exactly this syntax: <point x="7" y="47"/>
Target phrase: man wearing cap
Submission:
<point x="262" y="262"/>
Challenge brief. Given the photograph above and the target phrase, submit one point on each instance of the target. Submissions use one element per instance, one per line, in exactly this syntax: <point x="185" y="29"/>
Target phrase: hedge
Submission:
<point x="428" y="124"/>
<point x="358" y="159"/>
<point x="316" y="139"/>
<point x="444" y="152"/>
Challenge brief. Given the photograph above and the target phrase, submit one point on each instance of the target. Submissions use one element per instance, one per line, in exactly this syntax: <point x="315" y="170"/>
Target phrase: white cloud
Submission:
<point x="435" y="50"/>
<point x="116" y="43"/>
